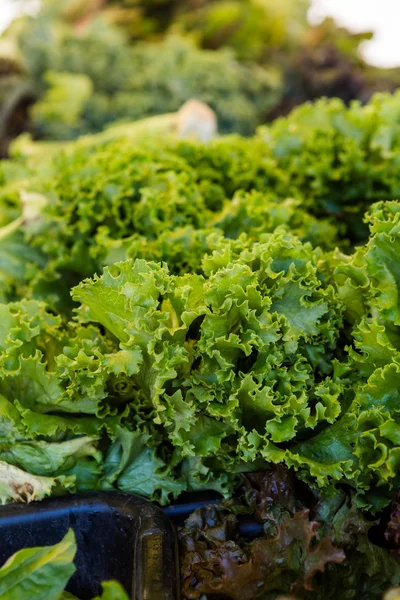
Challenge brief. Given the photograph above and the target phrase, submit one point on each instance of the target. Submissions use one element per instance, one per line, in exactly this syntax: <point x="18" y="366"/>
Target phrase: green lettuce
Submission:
<point x="43" y="573"/>
<point x="182" y="381"/>
<point x="226" y="330"/>
<point x="340" y="159"/>
<point x="39" y="573"/>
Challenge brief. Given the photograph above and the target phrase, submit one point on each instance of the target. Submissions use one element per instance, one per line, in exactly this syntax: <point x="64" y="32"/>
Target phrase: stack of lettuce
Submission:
<point x="174" y="315"/>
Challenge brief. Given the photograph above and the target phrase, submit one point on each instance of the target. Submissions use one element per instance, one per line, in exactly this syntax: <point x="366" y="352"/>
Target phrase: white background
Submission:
<point x="380" y="16"/>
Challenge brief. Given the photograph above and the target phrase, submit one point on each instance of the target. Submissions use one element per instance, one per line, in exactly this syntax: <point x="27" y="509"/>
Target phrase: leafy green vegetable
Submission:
<point x="341" y="159"/>
<point x="38" y="573"/>
<point x="43" y="573"/>
<point x="18" y="486"/>
<point x="177" y="314"/>
<point x="244" y="347"/>
<point x="112" y="590"/>
<point x="162" y="208"/>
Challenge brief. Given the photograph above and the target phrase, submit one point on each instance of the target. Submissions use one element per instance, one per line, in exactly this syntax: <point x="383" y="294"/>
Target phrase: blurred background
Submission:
<point x="73" y="67"/>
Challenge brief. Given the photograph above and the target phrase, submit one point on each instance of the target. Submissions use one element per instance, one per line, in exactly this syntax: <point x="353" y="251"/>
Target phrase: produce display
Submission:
<point x="178" y="317"/>
<point x="148" y="79"/>
<point x="74" y="67"/>
<point x="87" y="79"/>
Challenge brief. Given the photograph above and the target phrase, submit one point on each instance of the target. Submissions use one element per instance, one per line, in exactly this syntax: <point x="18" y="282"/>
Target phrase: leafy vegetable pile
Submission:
<point x="244" y="318"/>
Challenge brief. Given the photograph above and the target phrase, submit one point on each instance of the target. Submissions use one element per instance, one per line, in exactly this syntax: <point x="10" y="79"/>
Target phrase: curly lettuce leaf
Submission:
<point x="134" y="466"/>
<point x="198" y="346"/>
<point x="340" y="159"/>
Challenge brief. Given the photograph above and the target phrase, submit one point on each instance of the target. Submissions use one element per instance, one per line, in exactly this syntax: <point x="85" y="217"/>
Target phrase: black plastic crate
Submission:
<point x="119" y="536"/>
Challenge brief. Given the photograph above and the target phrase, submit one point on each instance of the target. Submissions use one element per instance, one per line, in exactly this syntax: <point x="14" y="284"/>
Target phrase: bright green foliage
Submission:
<point x="111" y="201"/>
<point x="198" y="376"/>
<point x="366" y="438"/>
<point x="226" y="331"/>
<point x="18" y="262"/>
<point x="341" y="160"/>
<point x="180" y="376"/>
<point x="121" y="201"/>
<point x="43" y="573"/>
<point x="39" y="573"/>
<point x="112" y="590"/>
<point x="175" y="314"/>
<point x="258" y="306"/>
